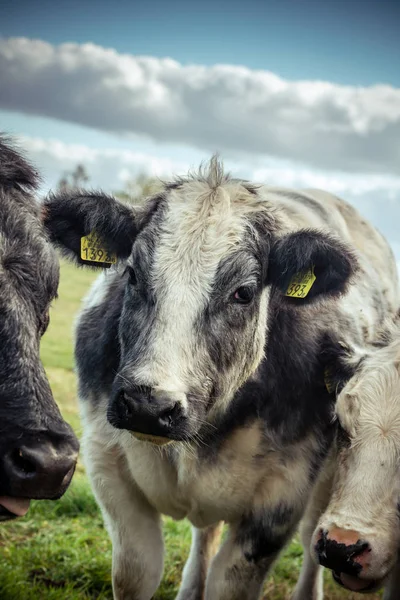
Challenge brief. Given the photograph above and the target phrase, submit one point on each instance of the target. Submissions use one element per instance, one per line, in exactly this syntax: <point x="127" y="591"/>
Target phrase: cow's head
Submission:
<point x="38" y="450"/>
<point x="198" y="263"/>
<point x="358" y="536"/>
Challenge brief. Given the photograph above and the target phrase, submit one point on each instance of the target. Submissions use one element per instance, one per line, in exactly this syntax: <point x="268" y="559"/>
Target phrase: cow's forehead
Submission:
<point x="200" y="229"/>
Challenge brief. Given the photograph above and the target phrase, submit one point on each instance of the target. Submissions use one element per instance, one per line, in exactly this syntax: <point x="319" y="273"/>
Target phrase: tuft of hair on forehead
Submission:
<point x="212" y="173"/>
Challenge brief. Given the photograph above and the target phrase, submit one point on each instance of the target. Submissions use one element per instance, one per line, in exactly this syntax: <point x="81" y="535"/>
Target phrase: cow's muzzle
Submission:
<point x="156" y="418"/>
<point x="347" y="555"/>
<point x="40" y="467"/>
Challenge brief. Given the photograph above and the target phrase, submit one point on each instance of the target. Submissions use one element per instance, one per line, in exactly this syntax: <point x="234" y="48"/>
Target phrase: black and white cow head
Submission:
<point x="198" y="262"/>
<point x="38" y="450"/>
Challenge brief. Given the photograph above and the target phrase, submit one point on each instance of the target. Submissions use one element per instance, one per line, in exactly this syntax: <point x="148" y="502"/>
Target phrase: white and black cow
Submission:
<point x="38" y="450"/>
<point x="201" y="382"/>
<point x="353" y="521"/>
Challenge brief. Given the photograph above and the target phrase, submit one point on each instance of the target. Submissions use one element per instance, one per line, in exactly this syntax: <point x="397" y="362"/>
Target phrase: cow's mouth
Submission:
<point x="355" y="584"/>
<point x="11" y="508"/>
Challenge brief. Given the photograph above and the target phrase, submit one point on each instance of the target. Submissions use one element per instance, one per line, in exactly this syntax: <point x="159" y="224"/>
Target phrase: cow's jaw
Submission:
<point x="355" y="584"/>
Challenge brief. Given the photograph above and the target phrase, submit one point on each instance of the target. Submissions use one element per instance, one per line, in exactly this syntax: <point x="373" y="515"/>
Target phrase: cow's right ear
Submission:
<point x="70" y="216"/>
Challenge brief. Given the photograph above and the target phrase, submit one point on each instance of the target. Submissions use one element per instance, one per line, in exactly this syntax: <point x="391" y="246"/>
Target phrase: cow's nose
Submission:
<point x="41" y="470"/>
<point x="145" y="413"/>
<point x="342" y="550"/>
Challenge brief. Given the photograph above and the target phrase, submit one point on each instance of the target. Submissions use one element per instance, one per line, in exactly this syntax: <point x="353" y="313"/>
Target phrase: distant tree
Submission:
<point x="73" y="179"/>
<point x="139" y="188"/>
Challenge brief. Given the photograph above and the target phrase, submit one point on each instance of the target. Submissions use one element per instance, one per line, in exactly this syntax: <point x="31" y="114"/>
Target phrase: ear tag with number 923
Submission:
<point x="301" y="284"/>
<point x="92" y="250"/>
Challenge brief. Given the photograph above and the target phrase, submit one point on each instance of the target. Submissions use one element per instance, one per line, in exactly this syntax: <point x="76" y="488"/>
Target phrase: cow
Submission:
<point x="38" y="450"/>
<point x="200" y="355"/>
<point x="352" y="522"/>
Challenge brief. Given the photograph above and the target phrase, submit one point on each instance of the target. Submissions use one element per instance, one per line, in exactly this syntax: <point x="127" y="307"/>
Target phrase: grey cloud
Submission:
<point x="229" y="108"/>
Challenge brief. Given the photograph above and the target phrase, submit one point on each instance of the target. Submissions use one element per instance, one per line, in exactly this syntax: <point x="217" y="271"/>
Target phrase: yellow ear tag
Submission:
<point x="92" y="250"/>
<point x="301" y="284"/>
<point x="328" y="380"/>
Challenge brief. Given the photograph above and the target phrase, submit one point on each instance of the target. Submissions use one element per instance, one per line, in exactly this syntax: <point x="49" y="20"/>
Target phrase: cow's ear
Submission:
<point x="70" y="217"/>
<point x="308" y="263"/>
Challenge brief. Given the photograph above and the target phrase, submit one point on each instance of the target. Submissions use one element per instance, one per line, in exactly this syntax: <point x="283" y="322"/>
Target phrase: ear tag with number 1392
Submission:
<point x="92" y="250"/>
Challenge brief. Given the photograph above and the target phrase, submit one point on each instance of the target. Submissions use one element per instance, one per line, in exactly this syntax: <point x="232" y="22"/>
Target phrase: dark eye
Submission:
<point x="131" y="274"/>
<point x="244" y="295"/>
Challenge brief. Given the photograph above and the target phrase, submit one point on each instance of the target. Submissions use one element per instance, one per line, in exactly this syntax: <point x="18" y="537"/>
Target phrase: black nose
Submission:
<point x="40" y="469"/>
<point x="145" y="412"/>
<point x="339" y="556"/>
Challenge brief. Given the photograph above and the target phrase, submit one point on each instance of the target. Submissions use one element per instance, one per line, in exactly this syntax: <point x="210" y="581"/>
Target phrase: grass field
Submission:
<point x="60" y="550"/>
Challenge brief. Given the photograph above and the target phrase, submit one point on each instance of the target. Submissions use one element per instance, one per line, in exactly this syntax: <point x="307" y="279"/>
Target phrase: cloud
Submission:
<point x="108" y="168"/>
<point x="228" y="108"/>
<point x="377" y="197"/>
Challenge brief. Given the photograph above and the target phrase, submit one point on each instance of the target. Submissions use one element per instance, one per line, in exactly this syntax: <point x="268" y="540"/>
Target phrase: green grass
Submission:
<point x="60" y="550"/>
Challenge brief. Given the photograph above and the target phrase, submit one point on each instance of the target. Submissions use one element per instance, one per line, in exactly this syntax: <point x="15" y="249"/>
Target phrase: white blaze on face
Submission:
<point x="201" y="227"/>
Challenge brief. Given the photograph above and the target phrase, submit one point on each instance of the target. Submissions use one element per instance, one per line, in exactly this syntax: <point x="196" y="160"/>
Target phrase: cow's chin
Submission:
<point x="356" y="584"/>
<point x="151" y="439"/>
<point x="11" y="508"/>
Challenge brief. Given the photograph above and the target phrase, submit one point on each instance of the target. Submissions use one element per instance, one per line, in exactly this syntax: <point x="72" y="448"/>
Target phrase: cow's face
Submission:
<point x="358" y="536"/>
<point x="38" y="450"/>
<point x="202" y="260"/>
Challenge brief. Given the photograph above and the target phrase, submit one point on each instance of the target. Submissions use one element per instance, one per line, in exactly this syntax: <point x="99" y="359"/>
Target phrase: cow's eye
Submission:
<point x="244" y="295"/>
<point x="131" y="275"/>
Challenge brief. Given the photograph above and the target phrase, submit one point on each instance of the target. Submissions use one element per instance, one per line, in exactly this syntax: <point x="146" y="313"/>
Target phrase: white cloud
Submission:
<point x="377" y="197"/>
<point x="229" y="108"/>
<point x="108" y="168"/>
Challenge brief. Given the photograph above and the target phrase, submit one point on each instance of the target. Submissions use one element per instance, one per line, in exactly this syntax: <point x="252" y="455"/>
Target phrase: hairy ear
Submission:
<point x="340" y="362"/>
<point x="330" y="260"/>
<point x="69" y="216"/>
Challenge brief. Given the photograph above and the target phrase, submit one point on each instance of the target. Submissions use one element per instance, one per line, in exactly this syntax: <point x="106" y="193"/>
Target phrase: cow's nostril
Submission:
<point x="169" y="415"/>
<point x="126" y="404"/>
<point x="22" y="463"/>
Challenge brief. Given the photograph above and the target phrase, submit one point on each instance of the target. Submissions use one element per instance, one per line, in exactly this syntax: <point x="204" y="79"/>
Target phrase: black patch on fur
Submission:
<point x="339" y="557"/>
<point x="288" y="391"/>
<point x="98" y="362"/>
<point x="264" y="534"/>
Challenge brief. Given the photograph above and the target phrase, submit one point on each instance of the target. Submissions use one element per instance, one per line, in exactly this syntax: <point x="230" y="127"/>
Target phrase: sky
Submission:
<point x="298" y="93"/>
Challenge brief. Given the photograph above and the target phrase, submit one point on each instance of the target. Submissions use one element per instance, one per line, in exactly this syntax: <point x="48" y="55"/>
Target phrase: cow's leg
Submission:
<point x="392" y="588"/>
<point x="205" y="544"/>
<point x="134" y="526"/>
<point x="239" y="569"/>
<point x="310" y="583"/>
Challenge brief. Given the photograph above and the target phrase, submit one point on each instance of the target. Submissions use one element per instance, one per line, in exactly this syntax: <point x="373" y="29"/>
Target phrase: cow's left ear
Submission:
<point x="308" y="263"/>
<point x="90" y="228"/>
